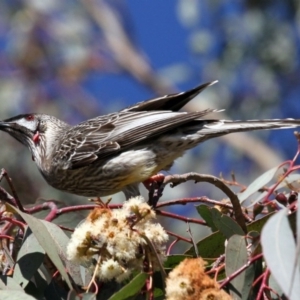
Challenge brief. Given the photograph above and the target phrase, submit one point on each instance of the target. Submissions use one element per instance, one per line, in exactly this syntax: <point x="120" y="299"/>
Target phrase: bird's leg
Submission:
<point x="154" y="185"/>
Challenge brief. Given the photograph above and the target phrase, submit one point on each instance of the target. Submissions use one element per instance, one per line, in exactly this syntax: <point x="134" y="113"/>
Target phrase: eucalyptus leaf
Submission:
<point x="173" y="260"/>
<point x="8" y="283"/>
<point x="61" y="241"/>
<point x="15" y="295"/>
<point x="205" y="212"/>
<point x="280" y="253"/>
<point x="292" y="178"/>
<point x="257" y="184"/>
<point x="248" y="281"/>
<point x="30" y="257"/>
<point x="46" y="240"/>
<point x="226" y="225"/>
<point x="236" y="257"/>
<point x="132" y="288"/>
<point x="213" y="245"/>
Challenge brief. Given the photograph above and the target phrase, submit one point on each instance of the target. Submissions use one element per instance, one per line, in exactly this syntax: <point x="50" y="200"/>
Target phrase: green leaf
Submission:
<point x="235" y="258"/>
<point x="46" y="240"/>
<point x="213" y="245"/>
<point x="173" y="260"/>
<point x="8" y="283"/>
<point x="292" y="178"/>
<point x="257" y="184"/>
<point x="159" y="285"/>
<point x="253" y="239"/>
<point x="205" y="212"/>
<point x="72" y="295"/>
<point x="226" y="225"/>
<point x="248" y="281"/>
<point x="88" y="296"/>
<point x="280" y="253"/>
<point x="61" y="242"/>
<point x="274" y="285"/>
<point x="132" y="288"/>
<point x="259" y="224"/>
<point x="30" y="257"/>
<point x="158" y="293"/>
<point x="14" y="295"/>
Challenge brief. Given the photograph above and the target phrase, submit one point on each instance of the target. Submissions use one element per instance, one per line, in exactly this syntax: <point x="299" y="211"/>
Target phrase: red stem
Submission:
<point x="181" y="218"/>
<point x="240" y="270"/>
<point x="263" y="285"/>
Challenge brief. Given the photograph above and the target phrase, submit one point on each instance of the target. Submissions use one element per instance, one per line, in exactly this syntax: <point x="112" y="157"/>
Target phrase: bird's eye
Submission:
<point x="29" y="118"/>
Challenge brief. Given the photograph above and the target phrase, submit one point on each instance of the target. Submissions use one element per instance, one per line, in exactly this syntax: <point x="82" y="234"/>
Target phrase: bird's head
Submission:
<point x="36" y="131"/>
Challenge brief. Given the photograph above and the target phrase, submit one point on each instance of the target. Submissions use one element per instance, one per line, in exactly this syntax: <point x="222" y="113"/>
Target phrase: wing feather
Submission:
<point x="172" y="102"/>
<point x="106" y="136"/>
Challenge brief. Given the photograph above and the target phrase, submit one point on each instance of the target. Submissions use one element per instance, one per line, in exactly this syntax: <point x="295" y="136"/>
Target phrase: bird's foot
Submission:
<point x="100" y="202"/>
<point x="158" y="179"/>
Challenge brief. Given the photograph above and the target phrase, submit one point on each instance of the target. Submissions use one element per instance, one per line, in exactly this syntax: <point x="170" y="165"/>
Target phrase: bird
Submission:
<point x="116" y="152"/>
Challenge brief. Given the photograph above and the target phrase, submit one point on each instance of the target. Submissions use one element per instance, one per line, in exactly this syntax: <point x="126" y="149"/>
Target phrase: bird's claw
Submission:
<point x="100" y="202"/>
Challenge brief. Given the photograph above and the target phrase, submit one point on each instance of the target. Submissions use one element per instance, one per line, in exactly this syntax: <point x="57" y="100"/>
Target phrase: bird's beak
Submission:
<point x="10" y="127"/>
<point x="4" y="125"/>
<point x="18" y="132"/>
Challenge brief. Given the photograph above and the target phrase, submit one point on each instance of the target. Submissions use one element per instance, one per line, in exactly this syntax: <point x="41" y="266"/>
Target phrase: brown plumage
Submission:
<point x="116" y="152"/>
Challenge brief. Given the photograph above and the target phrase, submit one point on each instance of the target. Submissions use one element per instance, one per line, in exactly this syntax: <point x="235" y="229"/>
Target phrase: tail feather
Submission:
<point x="221" y="127"/>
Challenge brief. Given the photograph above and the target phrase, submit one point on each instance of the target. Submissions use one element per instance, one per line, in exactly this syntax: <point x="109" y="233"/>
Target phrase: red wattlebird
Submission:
<point x="116" y="152"/>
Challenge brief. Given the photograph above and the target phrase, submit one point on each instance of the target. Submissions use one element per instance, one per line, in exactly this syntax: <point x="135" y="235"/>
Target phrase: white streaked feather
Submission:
<point x="147" y="119"/>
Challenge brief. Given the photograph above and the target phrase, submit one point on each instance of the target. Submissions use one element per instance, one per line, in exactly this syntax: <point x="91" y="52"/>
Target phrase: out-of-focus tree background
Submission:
<point x="80" y="59"/>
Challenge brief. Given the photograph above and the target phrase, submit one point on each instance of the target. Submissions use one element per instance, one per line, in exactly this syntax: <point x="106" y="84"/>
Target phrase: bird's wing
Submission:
<point x="172" y="102"/>
<point x="107" y="135"/>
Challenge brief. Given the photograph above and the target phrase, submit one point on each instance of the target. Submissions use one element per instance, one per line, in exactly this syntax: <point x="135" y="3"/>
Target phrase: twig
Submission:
<point x="181" y="218"/>
<point x="5" y="196"/>
<point x="177" y="179"/>
<point x="14" y="222"/>
<point x="12" y="188"/>
<point x="193" y="242"/>
<point x="178" y="237"/>
<point x="233" y="182"/>
<point x="171" y="246"/>
<point x="184" y="201"/>
<point x="240" y="270"/>
<point x="263" y="284"/>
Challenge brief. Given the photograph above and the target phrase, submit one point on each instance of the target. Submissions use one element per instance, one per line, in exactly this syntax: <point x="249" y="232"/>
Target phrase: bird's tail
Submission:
<point x="214" y="128"/>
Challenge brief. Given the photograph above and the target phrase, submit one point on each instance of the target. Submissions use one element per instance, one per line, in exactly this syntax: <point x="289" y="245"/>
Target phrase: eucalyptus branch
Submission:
<point x="177" y="179"/>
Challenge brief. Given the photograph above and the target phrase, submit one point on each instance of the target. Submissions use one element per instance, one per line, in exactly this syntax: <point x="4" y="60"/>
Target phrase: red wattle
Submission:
<point x="36" y="137"/>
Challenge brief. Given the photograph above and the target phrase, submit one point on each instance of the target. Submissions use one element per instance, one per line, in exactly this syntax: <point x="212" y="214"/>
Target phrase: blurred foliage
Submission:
<point x="78" y="59"/>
